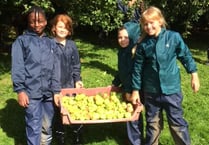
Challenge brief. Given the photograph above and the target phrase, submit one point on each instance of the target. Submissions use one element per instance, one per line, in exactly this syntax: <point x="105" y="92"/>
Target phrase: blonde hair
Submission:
<point x="153" y="13"/>
<point x="65" y="19"/>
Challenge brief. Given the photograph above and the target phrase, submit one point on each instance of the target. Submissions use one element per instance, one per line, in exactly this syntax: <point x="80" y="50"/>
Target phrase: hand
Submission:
<point x="195" y="83"/>
<point x="23" y="99"/>
<point x="57" y="99"/>
<point x="79" y="84"/>
<point x="131" y="2"/>
<point x="135" y="97"/>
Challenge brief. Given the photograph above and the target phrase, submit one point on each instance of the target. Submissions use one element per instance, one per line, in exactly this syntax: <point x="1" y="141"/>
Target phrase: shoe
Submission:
<point x="60" y="138"/>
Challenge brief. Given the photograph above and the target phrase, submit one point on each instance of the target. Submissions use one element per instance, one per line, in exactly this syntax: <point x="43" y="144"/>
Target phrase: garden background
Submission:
<point x="99" y="63"/>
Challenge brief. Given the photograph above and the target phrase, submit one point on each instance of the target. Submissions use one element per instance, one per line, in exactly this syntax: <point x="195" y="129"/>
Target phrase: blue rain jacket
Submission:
<point x="70" y="64"/>
<point x="125" y="9"/>
<point x="35" y="65"/>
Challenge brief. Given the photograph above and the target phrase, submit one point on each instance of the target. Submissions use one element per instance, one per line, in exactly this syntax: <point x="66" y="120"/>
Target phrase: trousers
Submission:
<point x="172" y="105"/>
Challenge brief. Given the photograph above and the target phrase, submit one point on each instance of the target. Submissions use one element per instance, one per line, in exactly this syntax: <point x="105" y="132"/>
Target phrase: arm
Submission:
<point x="195" y="84"/>
<point x="136" y="75"/>
<point x="18" y="72"/>
<point x="76" y="65"/>
<point x="116" y="81"/>
<point x="56" y="75"/>
<point x="131" y="2"/>
<point x="18" y="66"/>
<point x="185" y="57"/>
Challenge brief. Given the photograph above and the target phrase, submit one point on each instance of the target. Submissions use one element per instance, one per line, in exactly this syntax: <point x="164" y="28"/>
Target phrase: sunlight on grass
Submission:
<point x="99" y="65"/>
<point x="4" y="139"/>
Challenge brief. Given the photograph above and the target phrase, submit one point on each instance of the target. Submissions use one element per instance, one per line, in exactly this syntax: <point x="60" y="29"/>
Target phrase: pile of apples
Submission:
<point x="97" y="107"/>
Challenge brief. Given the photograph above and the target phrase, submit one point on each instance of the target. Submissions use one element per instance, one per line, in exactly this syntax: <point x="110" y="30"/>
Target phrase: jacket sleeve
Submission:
<point x="122" y="7"/>
<point x="76" y="64"/>
<point x="116" y="81"/>
<point x="18" y="67"/>
<point x="185" y="56"/>
<point x="56" y="75"/>
<point x="137" y="69"/>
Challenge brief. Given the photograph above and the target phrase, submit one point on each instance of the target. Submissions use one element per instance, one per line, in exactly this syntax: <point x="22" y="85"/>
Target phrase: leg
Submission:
<point x="48" y="114"/>
<point x="59" y="127"/>
<point x="77" y="134"/>
<point x="178" y="126"/>
<point x="33" y="119"/>
<point x="135" y="131"/>
<point x="154" y="119"/>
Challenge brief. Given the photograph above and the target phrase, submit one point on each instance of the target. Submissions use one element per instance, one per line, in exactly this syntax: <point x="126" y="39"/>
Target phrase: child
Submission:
<point x="156" y="66"/>
<point x="128" y="36"/>
<point x="62" y="29"/>
<point x="126" y="9"/>
<point x="35" y="78"/>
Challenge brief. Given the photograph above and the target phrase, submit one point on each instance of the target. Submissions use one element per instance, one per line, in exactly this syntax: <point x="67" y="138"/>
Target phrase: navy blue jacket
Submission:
<point x="70" y="64"/>
<point x="35" y="65"/>
<point x="125" y="9"/>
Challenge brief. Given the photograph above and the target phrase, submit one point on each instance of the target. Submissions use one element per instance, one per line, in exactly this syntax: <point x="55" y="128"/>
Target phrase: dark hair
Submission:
<point x="36" y="9"/>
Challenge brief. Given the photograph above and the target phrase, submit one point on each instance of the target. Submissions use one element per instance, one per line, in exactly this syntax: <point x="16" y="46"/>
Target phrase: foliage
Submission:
<point x="183" y="15"/>
<point x="103" y="15"/>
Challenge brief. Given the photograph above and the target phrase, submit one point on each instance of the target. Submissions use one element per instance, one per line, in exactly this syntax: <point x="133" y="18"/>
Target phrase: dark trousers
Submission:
<point x="171" y="104"/>
<point x="135" y="131"/>
<point x="38" y="116"/>
<point x="59" y="129"/>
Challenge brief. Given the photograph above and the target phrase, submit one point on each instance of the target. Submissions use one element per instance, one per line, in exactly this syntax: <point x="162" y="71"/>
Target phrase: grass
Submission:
<point x="99" y="65"/>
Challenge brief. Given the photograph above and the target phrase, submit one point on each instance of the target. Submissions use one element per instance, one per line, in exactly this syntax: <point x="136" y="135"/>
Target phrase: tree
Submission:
<point x="104" y="15"/>
<point x="182" y="15"/>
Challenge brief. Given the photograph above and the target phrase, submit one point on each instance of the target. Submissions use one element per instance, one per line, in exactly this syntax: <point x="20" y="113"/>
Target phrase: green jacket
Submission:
<point x="125" y="58"/>
<point x="156" y="63"/>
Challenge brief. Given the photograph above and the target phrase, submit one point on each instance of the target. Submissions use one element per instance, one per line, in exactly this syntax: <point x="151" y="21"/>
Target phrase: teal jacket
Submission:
<point x="156" y="63"/>
<point x="125" y="58"/>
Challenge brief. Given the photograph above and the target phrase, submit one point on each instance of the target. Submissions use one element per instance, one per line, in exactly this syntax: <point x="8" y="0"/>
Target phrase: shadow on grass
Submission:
<point x="98" y="133"/>
<point x="5" y="63"/>
<point x="101" y="66"/>
<point x="12" y="121"/>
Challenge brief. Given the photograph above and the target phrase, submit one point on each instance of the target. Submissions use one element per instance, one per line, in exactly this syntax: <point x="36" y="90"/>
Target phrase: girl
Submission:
<point x="62" y="29"/>
<point x="156" y="66"/>
<point x="128" y="36"/>
<point x="35" y="78"/>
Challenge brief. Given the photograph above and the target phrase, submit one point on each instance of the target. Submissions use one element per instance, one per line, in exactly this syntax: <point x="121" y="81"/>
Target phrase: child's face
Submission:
<point x="37" y="22"/>
<point x="61" y="31"/>
<point x="123" y="38"/>
<point x="152" y="27"/>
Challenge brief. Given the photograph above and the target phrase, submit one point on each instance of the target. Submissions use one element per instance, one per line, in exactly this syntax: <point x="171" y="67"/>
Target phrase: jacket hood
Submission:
<point x="134" y="32"/>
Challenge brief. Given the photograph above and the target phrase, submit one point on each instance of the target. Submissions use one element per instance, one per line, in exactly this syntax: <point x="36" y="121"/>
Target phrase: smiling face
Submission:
<point x="123" y="39"/>
<point x="61" y="30"/>
<point x="37" y="22"/>
<point x="152" y="27"/>
<point x="152" y="21"/>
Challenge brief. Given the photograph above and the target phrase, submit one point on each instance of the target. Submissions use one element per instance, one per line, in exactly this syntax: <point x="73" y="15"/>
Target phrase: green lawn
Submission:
<point x="99" y="65"/>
